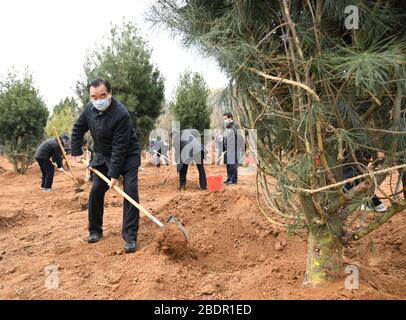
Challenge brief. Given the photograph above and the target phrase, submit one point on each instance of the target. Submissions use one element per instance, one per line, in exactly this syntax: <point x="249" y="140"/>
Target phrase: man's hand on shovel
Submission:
<point x="114" y="182"/>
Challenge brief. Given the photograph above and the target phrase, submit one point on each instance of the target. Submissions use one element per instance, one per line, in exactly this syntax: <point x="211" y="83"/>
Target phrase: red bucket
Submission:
<point x="215" y="182"/>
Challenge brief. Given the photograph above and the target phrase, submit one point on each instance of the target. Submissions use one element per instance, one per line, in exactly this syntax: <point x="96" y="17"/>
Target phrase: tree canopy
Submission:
<point x="190" y="107"/>
<point x="64" y="115"/>
<point x="23" y="116"/>
<point x="124" y="60"/>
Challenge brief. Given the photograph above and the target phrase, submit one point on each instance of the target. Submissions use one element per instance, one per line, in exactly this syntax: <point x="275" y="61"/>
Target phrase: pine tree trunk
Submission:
<point x="324" y="258"/>
<point x="325" y="248"/>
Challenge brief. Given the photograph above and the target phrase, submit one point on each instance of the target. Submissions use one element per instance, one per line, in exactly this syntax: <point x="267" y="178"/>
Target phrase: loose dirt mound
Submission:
<point x="76" y="204"/>
<point x="11" y="218"/>
<point x="172" y="242"/>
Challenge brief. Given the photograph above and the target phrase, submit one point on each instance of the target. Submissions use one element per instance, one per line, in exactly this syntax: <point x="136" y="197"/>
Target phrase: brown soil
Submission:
<point x="172" y="242"/>
<point x="80" y="181"/>
<point x="232" y="253"/>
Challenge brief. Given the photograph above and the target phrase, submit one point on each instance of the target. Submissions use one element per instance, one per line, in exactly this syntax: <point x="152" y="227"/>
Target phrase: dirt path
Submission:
<point x="234" y="252"/>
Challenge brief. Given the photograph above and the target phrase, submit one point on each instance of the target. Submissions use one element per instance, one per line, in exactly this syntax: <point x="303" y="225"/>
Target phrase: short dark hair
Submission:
<point x="228" y="115"/>
<point x="98" y="82"/>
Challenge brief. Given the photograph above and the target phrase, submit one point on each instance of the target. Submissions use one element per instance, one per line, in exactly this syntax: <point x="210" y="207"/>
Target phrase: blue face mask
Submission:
<point x="101" y="104"/>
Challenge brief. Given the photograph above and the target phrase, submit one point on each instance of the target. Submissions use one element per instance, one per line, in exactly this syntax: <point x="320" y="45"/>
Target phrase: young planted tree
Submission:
<point x="218" y="104"/>
<point x="190" y="106"/>
<point x="164" y="121"/>
<point x="318" y="93"/>
<point x="125" y="61"/>
<point x="23" y="116"/>
<point x="63" y="117"/>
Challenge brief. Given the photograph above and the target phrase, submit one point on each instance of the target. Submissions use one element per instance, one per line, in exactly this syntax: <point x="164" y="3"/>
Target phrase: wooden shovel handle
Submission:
<point x="65" y="157"/>
<point x="68" y="174"/>
<point x="127" y="197"/>
<point x="170" y="172"/>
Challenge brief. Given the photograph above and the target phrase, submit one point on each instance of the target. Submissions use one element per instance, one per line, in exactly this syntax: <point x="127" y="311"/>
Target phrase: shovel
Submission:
<point x="167" y="177"/>
<point x="172" y="219"/>
<point x="170" y="172"/>
<point x="70" y="176"/>
<point x="173" y="162"/>
<point x="219" y="158"/>
<point x="78" y="188"/>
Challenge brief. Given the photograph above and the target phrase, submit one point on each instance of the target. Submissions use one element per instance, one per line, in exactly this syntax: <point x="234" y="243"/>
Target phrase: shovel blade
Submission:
<point x="173" y="219"/>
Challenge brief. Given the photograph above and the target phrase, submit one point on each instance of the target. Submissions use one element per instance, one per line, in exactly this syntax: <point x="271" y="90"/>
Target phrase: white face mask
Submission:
<point x="227" y="122"/>
<point x="101" y="104"/>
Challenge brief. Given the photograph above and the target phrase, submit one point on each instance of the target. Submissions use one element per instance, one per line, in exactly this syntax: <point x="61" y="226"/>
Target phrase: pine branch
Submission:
<point x="363" y="231"/>
<point x="287" y="81"/>
<point x="341" y="183"/>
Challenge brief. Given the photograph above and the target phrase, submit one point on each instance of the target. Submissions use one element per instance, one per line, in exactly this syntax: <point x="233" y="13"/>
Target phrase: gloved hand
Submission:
<point x="60" y="169"/>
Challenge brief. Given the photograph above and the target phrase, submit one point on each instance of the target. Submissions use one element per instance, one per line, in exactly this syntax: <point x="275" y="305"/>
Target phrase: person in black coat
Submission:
<point x="156" y="149"/>
<point x="47" y="151"/>
<point x="233" y="145"/>
<point x="116" y="152"/>
<point x="188" y="148"/>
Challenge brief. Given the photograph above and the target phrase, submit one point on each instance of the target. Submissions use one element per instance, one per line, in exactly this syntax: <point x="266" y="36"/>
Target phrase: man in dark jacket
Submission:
<point x="233" y="144"/>
<point x="49" y="149"/>
<point x="188" y="148"/>
<point x="116" y="152"/>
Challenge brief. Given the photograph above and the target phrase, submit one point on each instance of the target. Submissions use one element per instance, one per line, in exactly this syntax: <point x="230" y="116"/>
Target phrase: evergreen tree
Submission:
<point x="23" y="116"/>
<point x="190" y="106"/>
<point x="125" y="62"/>
<point x="64" y="115"/>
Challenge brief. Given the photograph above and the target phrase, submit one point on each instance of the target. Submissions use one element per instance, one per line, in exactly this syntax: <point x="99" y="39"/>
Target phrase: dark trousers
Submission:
<point x="349" y="172"/>
<point x="202" y="175"/>
<point x="130" y="213"/>
<point x="158" y="160"/>
<point x="48" y="170"/>
<point x="232" y="172"/>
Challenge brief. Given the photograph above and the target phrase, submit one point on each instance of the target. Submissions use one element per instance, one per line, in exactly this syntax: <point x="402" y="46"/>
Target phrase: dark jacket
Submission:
<point x="188" y="138"/>
<point x="233" y="144"/>
<point x="115" y="141"/>
<point x="50" y="149"/>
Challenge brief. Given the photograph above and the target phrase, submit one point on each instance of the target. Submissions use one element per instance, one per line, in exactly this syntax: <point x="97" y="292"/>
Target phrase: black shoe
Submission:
<point x="130" y="246"/>
<point x="226" y="182"/>
<point x="182" y="188"/>
<point x="94" y="237"/>
<point x="230" y="182"/>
